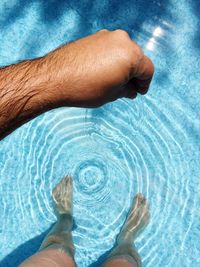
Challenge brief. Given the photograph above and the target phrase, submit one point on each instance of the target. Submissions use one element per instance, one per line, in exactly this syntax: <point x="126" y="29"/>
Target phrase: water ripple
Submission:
<point x="112" y="153"/>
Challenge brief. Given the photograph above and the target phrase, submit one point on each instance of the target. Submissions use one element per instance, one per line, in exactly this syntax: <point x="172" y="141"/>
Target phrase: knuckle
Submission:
<point x="121" y="32"/>
<point x="104" y="30"/>
<point x="137" y="50"/>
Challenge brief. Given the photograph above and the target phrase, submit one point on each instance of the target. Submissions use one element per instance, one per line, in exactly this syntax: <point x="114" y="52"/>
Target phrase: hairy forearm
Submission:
<point x="87" y="73"/>
<point x="30" y="88"/>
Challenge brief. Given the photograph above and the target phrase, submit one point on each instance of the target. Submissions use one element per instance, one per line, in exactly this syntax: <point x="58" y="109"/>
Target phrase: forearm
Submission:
<point x="30" y="88"/>
<point x="87" y="73"/>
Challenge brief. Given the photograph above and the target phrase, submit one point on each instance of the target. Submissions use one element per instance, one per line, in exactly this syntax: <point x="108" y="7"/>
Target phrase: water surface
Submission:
<point x="149" y="145"/>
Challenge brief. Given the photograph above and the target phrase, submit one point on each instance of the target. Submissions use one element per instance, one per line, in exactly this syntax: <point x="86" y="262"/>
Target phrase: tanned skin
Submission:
<point x="89" y="72"/>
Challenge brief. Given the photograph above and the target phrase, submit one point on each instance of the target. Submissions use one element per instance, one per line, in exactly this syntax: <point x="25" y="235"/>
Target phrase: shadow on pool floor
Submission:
<point x="23" y="251"/>
<point x="30" y="247"/>
<point x="128" y="15"/>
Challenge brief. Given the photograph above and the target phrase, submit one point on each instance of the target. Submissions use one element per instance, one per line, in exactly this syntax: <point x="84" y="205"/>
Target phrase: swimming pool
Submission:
<point x="149" y="145"/>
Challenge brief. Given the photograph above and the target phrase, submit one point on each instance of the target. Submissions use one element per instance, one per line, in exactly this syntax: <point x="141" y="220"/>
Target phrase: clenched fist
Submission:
<point x="101" y="68"/>
<point x="87" y="73"/>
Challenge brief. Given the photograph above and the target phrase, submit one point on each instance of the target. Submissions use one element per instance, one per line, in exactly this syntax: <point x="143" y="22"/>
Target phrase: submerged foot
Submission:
<point x="60" y="236"/>
<point x="62" y="196"/>
<point x="136" y="221"/>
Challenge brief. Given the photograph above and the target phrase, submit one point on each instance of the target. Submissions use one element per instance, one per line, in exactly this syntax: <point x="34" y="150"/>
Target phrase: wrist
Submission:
<point x="56" y="73"/>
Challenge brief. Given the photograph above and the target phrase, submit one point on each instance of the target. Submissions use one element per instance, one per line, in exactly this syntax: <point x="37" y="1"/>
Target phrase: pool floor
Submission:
<point x="149" y="145"/>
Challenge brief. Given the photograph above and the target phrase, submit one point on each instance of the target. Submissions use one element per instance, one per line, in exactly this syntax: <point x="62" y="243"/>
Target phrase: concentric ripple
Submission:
<point x="112" y="153"/>
<point x="91" y="175"/>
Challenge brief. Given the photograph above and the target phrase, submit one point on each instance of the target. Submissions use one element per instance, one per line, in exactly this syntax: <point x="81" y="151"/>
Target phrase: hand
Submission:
<point x="88" y="73"/>
<point x="103" y="67"/>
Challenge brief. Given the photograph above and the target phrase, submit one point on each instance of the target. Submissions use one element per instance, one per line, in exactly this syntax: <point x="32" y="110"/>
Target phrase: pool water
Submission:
<point x="149" y="145"/>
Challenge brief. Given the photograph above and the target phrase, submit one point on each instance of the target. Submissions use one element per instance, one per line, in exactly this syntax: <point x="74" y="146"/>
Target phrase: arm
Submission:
<point x="87" y="73"/>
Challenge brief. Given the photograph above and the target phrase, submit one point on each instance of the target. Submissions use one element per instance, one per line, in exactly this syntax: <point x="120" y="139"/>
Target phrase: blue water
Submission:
<point x="149" y="145"/>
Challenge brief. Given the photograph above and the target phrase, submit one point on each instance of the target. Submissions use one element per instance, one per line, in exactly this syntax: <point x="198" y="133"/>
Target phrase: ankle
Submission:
<point x="65" y="222"/>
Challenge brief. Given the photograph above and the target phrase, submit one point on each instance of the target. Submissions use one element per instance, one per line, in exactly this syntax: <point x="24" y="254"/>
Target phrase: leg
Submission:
<point x="125" y="253"/>
<point x="49" y="258"/>
<point x="57" y="249"/>
<point x="121" y="262"/>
